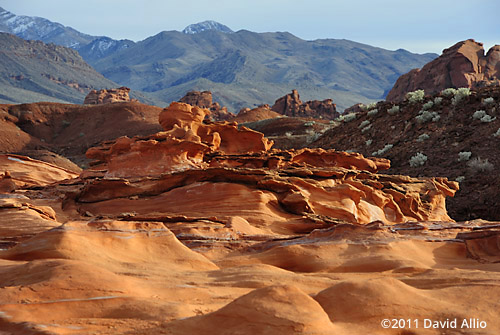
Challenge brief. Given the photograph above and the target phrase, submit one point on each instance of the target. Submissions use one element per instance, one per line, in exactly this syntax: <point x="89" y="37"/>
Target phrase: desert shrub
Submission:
<point x="65" y="123"/>
<point x="460" y="179"/>
<point x="487" y="118"/>
<point x="288" y="134"/>
<point x="364" y="124"/>
<point x="349" y="117"/>
<point x="393" y="110"/>
<point x="464" y="156"/>
<point x="478" y="114"/>
<point x="497" y="134"/>
<point x="480" y="165"/>
<point x="415" y="97"/>
<point x="368" y="142"/>
<point x="383" y="150"/>
<point x="426" y="116"/>
<point x="438" y="101"/>
<point x="365" y="129"/>
<point x="428" y="105"/>
<point x="418" y="159"/>
<point x="483" y="116"/>
<point x="423" y="137"/>
<point x="488" y="101"/>
<point x="448" y="92"/>
<point x="460" y="95"/>
<point x="309" y="123"/>
<point x="372" y="112"/>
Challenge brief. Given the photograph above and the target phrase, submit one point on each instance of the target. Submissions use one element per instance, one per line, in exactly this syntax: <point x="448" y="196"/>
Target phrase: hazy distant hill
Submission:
<point x="241" y="68"/>
<point x="34" y="71"/>
<point x="245" y="68"/>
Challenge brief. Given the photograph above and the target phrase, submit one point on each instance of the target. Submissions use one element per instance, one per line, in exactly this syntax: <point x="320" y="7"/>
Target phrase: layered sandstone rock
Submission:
<point x="291" y="105"/>
<point x="262" y="112"/>
<point x="182" y="232"/>
<point x="204" y="100"/>
<point x="462" y="65"/>
<point x="107" y="96"/>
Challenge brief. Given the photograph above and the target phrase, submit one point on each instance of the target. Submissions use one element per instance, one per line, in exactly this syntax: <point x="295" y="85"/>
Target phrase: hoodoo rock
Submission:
<point x="204" y="100"/>
<point x="462" y="65"/>
<point x="104" y="96"/>
<point x="291" y="105"/>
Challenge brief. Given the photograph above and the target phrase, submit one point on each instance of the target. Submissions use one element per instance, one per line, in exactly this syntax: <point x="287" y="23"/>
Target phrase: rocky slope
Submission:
<point x="225" y="235"/>
<point x="462" y="65"/>
<point x="457" y="133"/>
<point x="33" y="71"/>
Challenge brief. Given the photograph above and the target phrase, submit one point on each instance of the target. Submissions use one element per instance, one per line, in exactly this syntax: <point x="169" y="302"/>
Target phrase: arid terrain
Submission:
<point x="117" y="217"/>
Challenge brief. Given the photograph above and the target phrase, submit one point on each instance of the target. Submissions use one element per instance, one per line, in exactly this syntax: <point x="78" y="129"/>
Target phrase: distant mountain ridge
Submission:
<point x="242" y="69"/>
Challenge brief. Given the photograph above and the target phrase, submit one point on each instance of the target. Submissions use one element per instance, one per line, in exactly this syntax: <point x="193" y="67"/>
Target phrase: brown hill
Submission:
<point x="462" y="65"/>
<point x="458" y="142"/>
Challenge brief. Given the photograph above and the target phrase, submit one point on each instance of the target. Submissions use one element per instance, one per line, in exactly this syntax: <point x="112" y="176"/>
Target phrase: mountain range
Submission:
<point x="241" y="68"/>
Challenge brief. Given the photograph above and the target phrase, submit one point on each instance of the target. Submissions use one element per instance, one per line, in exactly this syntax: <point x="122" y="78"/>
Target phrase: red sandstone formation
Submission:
<point x="462" y="65"/>
<point x="203" y="228"/>
<point x="204" y="100"/>
<point x="291" y="105"/>
<point x="107" y="96"/>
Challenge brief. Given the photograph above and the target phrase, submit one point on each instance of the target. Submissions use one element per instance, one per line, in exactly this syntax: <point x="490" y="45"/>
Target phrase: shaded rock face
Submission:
<point x="107" y="96"/>
<point x="462" y="65"/>
<point x="291" y="105"/>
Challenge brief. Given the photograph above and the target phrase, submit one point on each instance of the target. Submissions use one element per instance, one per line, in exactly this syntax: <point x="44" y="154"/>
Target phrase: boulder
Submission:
<point x="107" y="96"/>
<point x="291" y="105"/>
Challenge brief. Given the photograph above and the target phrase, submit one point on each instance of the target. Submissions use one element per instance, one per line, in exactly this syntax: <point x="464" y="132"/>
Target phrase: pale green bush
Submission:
<point x="460" y="95"/>
<point x="460" y="179"/>
<point x="464" y="156"/>
<point x="349" y="117"/>
<point x="364" y="124"/>
<point x="478" y="114"/>
<point x="497" y="134"/>
<point x="428" y="105"/>
<point x="365" y="129"/>
<point x="368" y="142"/>
<point x="383" y="150"/>
<point x="426" y="116"/>
<point x="449" y="92"/>
<point x="393" y="110"/>
<point x="418" y="159"/>
<point x="415" y="97"/>
<point x="423" y="138"/>
<point x="372" y="112"/>
<point x="309" y="123"/>
<point x="488" y="101"/>
<point x="438" y="101"/>
<point x="480" y="165"/>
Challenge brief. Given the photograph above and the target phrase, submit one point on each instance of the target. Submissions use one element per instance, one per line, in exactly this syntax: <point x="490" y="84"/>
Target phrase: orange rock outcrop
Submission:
<point x="462" y="65"/>
<point x="107" y="96"/>
<point x="203" y="228"/>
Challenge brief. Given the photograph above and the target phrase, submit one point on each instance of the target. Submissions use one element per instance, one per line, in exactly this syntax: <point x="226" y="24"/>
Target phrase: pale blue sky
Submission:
<point x="418" y="26"/>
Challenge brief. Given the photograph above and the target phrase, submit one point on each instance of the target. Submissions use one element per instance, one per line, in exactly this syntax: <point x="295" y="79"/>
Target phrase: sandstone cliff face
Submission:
<point x="291" y="105"/>
<point x="107" y="96"/>
<point x="462" y="65"/>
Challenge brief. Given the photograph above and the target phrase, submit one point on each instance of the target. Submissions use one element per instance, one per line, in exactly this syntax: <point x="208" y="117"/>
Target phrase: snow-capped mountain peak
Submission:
<point x="206" y="25"/>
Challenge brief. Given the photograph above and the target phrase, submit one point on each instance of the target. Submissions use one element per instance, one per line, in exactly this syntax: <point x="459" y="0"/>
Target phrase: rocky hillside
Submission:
<point x="34" y="71"/>
<point x="244" y="69"/>
<point x="462" y="65"/>
<point x="450" y="134"/>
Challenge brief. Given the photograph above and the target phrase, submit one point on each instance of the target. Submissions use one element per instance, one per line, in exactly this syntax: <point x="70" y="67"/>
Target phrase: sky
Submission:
<point x="417" y="26"/>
